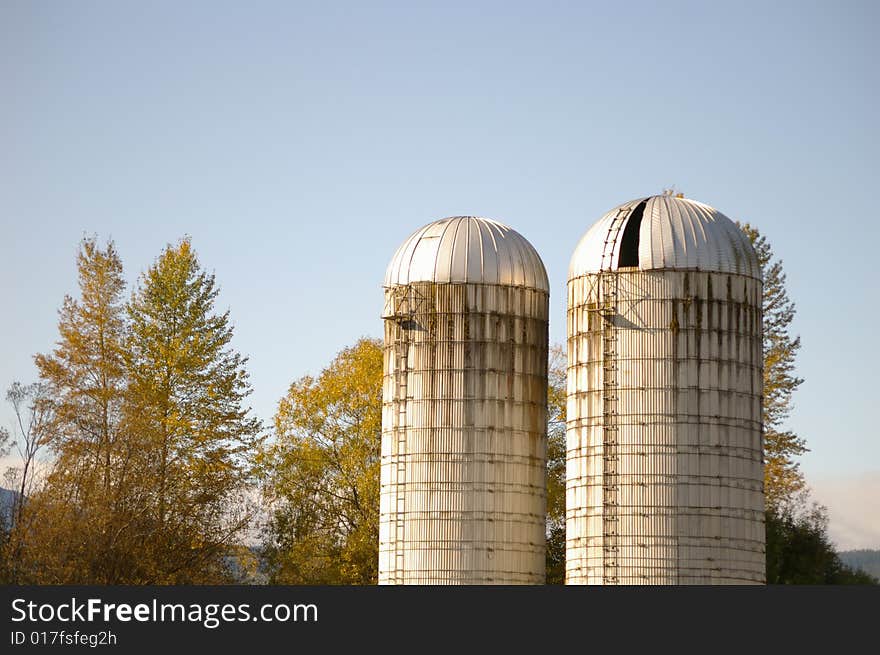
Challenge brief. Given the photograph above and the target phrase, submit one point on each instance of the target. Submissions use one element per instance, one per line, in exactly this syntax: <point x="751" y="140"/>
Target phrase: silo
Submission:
<point x="664" y="479"/>
<point x="464" y="408"/>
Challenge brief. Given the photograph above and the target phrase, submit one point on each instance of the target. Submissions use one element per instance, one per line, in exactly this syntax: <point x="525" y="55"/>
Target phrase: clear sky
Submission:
<point x="299" y="143"/>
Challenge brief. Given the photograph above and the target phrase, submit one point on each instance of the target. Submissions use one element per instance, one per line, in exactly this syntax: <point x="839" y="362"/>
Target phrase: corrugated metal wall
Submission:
<point x="463" y="435"/>
<point x="664" y="453"/>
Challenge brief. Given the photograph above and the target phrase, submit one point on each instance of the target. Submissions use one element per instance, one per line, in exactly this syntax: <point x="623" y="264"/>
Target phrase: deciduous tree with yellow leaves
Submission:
<point x="150" y="437"/>
<point x="321" y="474"/>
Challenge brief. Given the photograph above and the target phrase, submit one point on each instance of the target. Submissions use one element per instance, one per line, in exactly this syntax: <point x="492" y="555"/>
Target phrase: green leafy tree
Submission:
<point x="783" y="479"/>
<point x="321" y="474"/>
<point x="800" y="552"/>
<point x="185" y="401"/>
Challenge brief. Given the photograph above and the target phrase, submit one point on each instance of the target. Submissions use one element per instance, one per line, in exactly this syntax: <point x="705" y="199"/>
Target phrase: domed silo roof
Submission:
<point x="466" y="249"/>
<point x="664" y="232"/>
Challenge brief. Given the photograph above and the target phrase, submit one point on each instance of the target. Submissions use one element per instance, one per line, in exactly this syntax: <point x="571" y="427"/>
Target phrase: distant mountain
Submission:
<point x="864" y="560"/>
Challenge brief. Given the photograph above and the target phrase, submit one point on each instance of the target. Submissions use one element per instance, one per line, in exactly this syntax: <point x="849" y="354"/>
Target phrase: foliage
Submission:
<point x="185" y="402"/>
<point x="33" y="415"/>
<point x="86" y="372"/>
<point x="783" y="480"/>
<point x="799" y="551"/>
<point x="142" y="405"/>
<point x="147" y="430"/>
<point x="66" y="533"/>
<point x="556" y="405"/>
<point x="322" y="474"/>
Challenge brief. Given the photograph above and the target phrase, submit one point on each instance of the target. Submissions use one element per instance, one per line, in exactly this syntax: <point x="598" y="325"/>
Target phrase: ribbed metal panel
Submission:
<point x="664" y="466"/>
<point x="467" y="249"/>
<point x="463" y="435"/>
<point x="675" y="233"/>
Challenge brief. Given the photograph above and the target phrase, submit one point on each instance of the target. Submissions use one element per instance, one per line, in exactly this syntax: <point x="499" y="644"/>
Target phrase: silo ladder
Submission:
<point x="608" y="309"/>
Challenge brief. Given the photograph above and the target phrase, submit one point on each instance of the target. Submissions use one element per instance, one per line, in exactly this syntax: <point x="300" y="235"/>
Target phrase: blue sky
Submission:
<point x="299" y="143"/>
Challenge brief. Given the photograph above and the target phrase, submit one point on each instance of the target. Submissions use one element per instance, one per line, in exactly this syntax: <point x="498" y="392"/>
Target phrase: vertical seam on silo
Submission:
<point x="537" y="266"/>
<point x="446" y="227"/>
<point x="703" y="221"/>
<point x="725" y="236"/>
<point x="653" y="204"/>
<point x="467" y="247"/>
<point x="712" y="248"/>
<point x="490" y="229"/>
<point x="415" y="240"/>
<point x="522" y="261"/>
<point x="454" y="253"/>
<point x="737" y="240"/>
<point x="720" y="233"/>
<point x="679" y="243"/>
<point x="692" y="217"/>
<point x="644" y="234"/>
<point x="479" y="225"/>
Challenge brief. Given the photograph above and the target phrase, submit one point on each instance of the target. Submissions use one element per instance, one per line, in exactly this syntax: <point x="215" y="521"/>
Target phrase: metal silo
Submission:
<point x="664" y="476"/>
<point x="464" y="408"/>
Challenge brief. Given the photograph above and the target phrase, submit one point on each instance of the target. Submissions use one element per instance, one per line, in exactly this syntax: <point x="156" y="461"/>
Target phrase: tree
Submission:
<point x="186" y="388"/>
<point x="556" y="457"/>
<point x="799" y="551"/>
<point x="32" y="419"/>
<point x="783" y="480"/>
<point x="148" y="430"/>
<point x="65" y="533"/>
<point x="798" y="548"/>
<point x="321" y="474"/>
<point x="85" y="373"/>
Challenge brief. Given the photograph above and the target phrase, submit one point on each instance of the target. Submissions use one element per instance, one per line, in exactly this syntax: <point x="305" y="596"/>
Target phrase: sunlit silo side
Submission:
<point x="464" y="408"/>
<point x="664" y="446"/>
